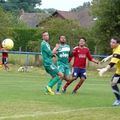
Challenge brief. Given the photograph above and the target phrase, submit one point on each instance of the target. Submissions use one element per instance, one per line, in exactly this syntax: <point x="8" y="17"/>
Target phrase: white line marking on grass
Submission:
<point x="39" y="113"/>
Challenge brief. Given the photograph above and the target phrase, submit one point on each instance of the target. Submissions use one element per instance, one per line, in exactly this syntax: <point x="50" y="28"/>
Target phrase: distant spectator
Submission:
<point x="4" y="58"/>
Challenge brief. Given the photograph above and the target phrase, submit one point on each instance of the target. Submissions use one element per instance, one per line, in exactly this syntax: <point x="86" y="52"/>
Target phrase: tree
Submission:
<point x="49" y="11"/>
<point x="16" y="5"/>
<point x="7" y="22"/>
<point x="107" y="24"/>
<point x="79" y="8"/>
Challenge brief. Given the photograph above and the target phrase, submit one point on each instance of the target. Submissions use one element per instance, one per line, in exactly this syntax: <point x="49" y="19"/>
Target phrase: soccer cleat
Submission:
<point x="57" y="93"/>
<point x="63" y="90"/>
<point x="116" y="103"/>
<point x="48" y="93"/>
<point x="49" y="90"/>
<point x="74" y="92"/>
<point x="51" y="93"/>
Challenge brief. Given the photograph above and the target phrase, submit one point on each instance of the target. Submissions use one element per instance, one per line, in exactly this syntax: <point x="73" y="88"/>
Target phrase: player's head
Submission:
<point x="82" y="41"/>
<point x="45" y="36"/>
<point x="62" y="39"/>
<point x="114" y="42"/>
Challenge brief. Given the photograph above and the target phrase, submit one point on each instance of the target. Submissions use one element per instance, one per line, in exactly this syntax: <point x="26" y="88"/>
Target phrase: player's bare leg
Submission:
<point x="6" y="67"/>
<point x="78" y="85"/>
<point x="68" y="83"/>
<point x="66" y="78"/>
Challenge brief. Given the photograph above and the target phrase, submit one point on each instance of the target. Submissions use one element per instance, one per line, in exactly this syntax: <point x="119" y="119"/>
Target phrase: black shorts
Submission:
<point x="79" y="72"/>
<point x="116" y="78"/>
<point x="4" y="60"/>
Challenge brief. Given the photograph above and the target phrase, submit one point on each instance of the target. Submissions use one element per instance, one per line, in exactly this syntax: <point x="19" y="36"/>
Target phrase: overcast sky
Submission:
<point x="62" y="4"/>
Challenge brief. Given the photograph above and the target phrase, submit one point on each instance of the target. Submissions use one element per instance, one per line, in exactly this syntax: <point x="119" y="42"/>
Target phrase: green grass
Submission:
<point x="22" y="98"/>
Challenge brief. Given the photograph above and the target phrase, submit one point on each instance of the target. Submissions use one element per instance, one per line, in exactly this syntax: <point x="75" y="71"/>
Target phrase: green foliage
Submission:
<point x="107" y="24"/>
<point x="7" y="22"/>
<point x="79" y="8"/>
<point x="28" y="39"/>
<point x="33" y="46"/>
<point x="24" y="37"/>
<point x="50" y="10"/>
<point x="16" y="5"/>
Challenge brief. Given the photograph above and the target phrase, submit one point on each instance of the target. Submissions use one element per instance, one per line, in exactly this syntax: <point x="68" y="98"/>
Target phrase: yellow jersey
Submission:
<point x="116" y="59"/>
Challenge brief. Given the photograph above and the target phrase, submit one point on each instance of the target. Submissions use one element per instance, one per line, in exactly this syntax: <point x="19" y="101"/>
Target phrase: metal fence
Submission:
<point x="15" y="57"/>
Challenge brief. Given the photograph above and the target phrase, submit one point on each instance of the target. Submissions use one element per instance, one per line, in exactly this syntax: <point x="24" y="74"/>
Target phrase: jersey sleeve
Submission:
<point x="46" y="49"/>
<point x="116" y="56"/>
<point x="74" y="52"/>
<point x="89" y="56"/>
<point x="115" y="59"/>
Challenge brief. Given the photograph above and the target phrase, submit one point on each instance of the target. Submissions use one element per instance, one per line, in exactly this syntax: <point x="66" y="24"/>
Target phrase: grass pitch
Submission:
<point x="22" y="98"/>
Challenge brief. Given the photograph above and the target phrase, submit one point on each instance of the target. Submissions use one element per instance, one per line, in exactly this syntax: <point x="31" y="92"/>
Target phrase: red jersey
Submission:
<point x="5" y="54"/>
<point x="80" y="55"/>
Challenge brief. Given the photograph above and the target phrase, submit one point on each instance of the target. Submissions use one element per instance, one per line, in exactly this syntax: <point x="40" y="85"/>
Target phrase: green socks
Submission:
<point x="53" y="81"/>
<point x="59" y="85"/>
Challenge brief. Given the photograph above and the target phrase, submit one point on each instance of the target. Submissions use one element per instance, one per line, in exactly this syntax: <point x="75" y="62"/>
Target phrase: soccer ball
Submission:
<point x="8" y="44"/>
<point x="23" y="69"/>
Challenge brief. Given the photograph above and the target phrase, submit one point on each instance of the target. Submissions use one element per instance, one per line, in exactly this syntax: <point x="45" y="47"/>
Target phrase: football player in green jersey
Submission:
<point x="62" y="51"/>
<point x="48" y="63"/>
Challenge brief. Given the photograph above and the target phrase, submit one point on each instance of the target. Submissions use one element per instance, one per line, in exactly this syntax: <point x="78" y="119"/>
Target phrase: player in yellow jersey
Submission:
<point x="115" y="60"/>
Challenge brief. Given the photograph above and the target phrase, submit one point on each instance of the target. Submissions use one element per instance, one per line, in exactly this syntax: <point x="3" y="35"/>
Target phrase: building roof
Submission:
<point x="66" y="15"/>
<point x="83" y="17"/>
<point x="32" y="19"/>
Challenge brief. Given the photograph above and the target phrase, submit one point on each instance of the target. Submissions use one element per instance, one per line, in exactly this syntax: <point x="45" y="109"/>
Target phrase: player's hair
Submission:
<point x="117" y="39"/>
<point x="44" y="32"/>
<point x="60" y="36"/>
<point x="82" y="38"/>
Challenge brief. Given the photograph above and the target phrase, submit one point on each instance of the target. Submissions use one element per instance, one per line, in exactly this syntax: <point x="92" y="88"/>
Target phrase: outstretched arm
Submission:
<point x="95" y="61"/>
<point x="103" y="70"/>
<point x="107" y="58"/>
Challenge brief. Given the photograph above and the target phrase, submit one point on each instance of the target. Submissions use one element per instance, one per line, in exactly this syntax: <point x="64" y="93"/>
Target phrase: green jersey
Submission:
<point x="46" y="53"/>
<point x="63" y="54"/>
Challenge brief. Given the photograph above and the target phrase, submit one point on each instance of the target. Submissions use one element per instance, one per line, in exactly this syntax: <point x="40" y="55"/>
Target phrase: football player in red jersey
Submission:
<point x="80" y="54"/>
<point x="4" y="58"/>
